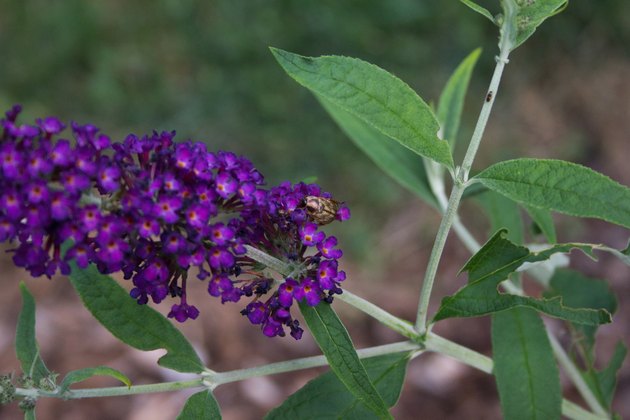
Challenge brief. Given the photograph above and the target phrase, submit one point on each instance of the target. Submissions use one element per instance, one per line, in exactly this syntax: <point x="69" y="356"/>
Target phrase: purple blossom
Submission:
<point x="148" y="207"/>
<point x="309" y="234"/>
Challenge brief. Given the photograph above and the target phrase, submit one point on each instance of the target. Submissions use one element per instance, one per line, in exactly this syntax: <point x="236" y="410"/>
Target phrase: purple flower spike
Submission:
<point x="153" y="209"/>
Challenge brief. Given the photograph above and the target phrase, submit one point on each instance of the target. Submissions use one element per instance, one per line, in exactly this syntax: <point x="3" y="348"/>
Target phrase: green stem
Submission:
<point x="111" y="391"/>
<point x="305" y="363"/>
<point x="399" y="325"/>
<point x="436" y="254"/>
<point x="461" y="176"/>
<point x="213" y="379"/>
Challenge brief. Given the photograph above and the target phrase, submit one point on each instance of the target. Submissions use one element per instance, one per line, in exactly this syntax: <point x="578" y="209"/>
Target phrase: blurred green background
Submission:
<point x="204" y="69"/>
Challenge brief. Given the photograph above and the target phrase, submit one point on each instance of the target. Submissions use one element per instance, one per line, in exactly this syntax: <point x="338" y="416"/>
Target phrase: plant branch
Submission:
<point x="220" y="378"/>
<point x="436" y="254"/>
<point x="461" y="176"/>
<point x="399" y="325"/>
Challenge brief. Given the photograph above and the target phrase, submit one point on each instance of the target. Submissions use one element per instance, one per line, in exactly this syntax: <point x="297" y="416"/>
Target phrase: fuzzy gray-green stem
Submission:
<point x="461" y="175"/>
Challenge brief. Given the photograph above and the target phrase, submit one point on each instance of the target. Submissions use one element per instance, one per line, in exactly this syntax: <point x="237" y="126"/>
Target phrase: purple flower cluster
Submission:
<point x="152" y="209"/>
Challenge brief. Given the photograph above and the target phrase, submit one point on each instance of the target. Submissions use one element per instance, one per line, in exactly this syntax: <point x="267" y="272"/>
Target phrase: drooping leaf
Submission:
<point x="334" y="341"/>
<point x="494" y="262"/>
<point x="325" y="397"/>
<point x="526" y="373"/>
<point x="136" y="325"/>
<point x="81" y="375"/>
<point x="561" y="186"/>
<point x="503" y="213"/>
<point x="479" y="9"/>
<point x="201" y="405"/>
<point x="544" y="221"/>
<point x="26" y="345"/>
<point x="394" y="159"/>
<point x="603" y="383"/>
<point x="532" y="13"/>
<point x="373" y="95"/>
<point x="451" y="101"/>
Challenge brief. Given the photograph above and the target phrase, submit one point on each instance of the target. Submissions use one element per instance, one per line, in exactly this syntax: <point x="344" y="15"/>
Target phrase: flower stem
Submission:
<point x="399" y="325"/>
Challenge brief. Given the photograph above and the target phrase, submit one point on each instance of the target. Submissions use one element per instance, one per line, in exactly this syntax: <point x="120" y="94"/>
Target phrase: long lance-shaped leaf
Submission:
<point x="26" y="345"/>
<point x="494" y="262"/>
<point x="325" y="397"/>
<point x="81" y="375"/>
<point x="524" y="367"/>
<point x="335" y="343"/>
<point x="373" y="95"/>
<point x="136" y="325"/>
<point x="201" y="405"/>
<point x="561" y="186"/>
<point x="394" y="159"/>
<point x="452" y="98"/>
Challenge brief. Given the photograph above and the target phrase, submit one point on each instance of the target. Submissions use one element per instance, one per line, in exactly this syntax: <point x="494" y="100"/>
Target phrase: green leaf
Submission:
<point x="532" y="13"/>
<point x="544" y="221"/>
<point x="503" y="214"/>
<point x="481" y="10"/>
<point x="397" y="161"/>
<point x="29" y="414"/>
<point x="494" y="262"/>
<point x="26" y="345"/>
<point x="373" y="95"/>
<point x="561" y="186"/>
<point x="580" y="291"/>
<point x="335" y="343"/>
<point x="526" y="373"/>
<point x="451" y="101"/>
<point x="81" y="375"/>
<point x="604" y="382"/>
<point x="474" y="189"/>
<point x="325" y="397"/>
<point x="201" y="405"/>
<point x="136" y="325"/>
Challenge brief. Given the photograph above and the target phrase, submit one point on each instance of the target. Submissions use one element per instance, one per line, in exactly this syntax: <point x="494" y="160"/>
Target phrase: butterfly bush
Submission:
<point x="152" y="209"/>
